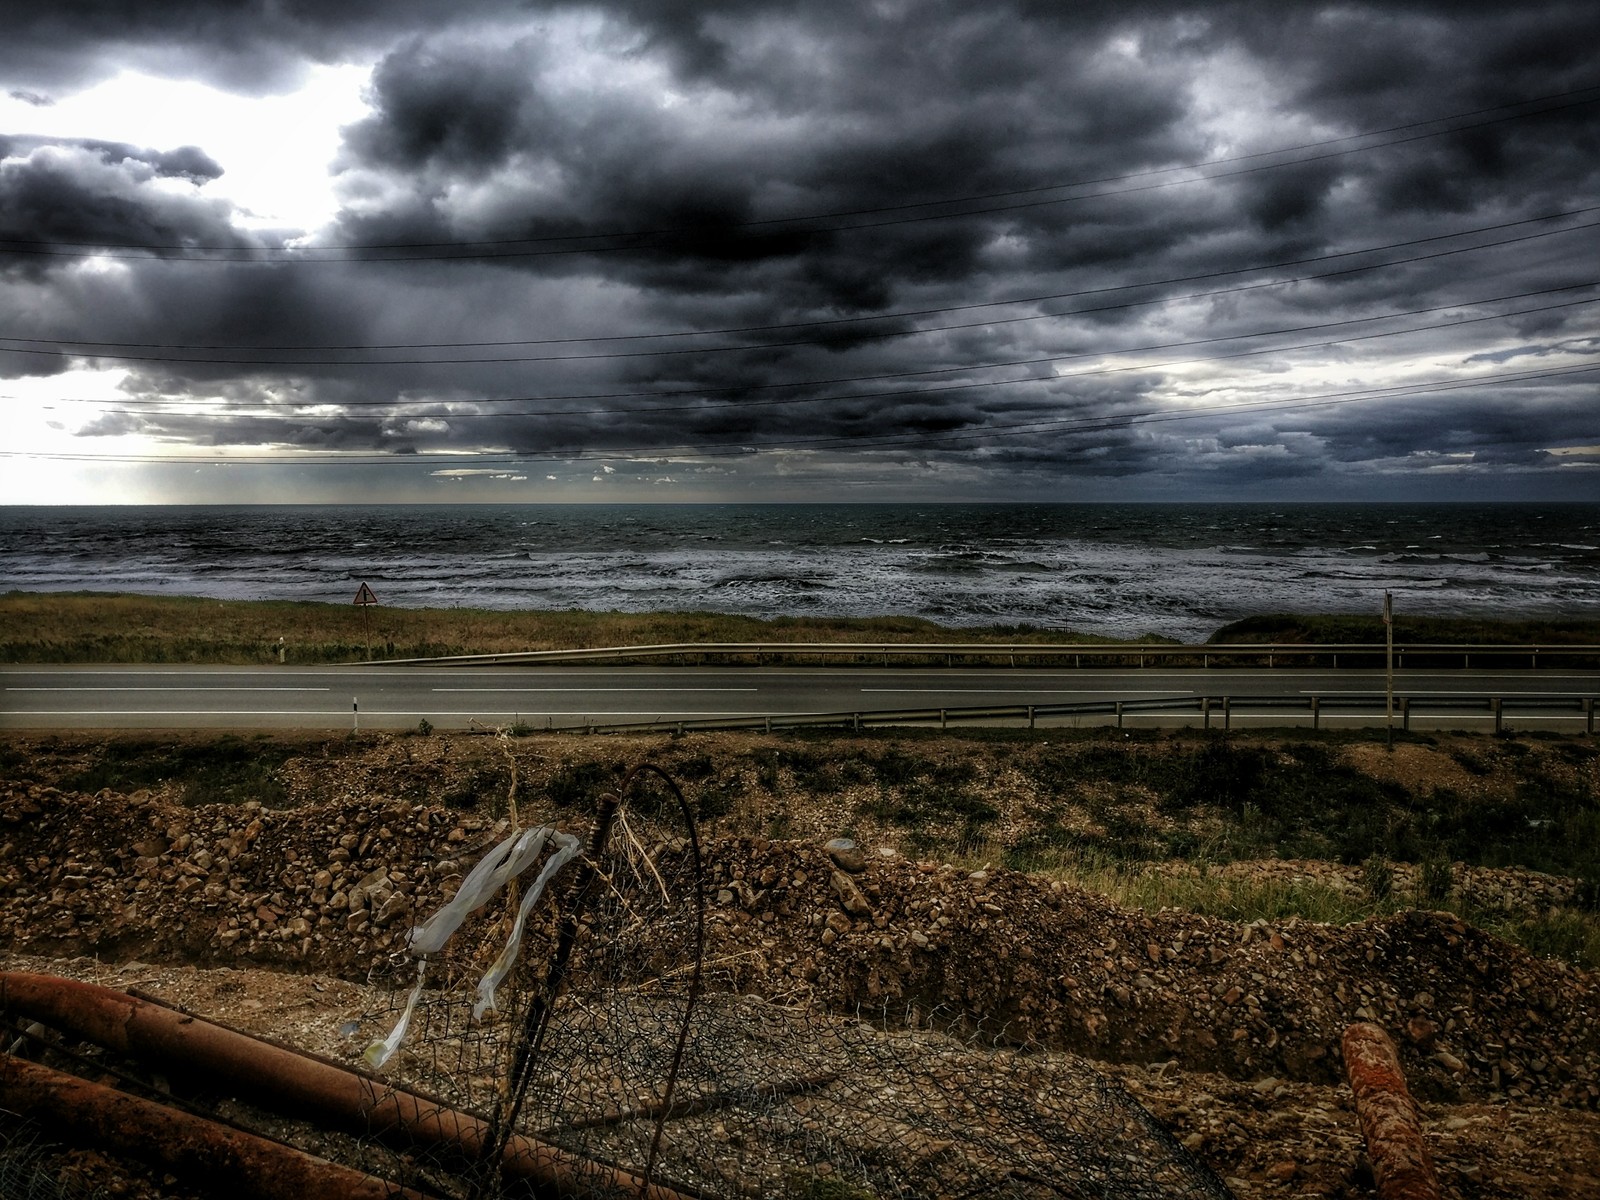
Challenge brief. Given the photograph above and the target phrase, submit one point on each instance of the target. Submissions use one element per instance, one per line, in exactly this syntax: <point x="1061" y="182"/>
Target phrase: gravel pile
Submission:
<point x="336" y="888"/>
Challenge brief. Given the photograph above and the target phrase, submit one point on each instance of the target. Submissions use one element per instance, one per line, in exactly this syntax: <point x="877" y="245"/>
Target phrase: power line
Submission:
<point x="467" y="249"/>
<point x="751" y="346"/>
<point x="879" y="442"/>
<point x="832" y="322"/>
<point x="710" y="409"/>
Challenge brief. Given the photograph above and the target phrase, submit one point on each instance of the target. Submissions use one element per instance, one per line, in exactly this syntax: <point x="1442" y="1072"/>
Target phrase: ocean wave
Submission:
<point x="1106" y="571"/>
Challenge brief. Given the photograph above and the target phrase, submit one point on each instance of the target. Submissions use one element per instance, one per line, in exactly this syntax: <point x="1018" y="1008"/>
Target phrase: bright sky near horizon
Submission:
<point x="906" y="251"/>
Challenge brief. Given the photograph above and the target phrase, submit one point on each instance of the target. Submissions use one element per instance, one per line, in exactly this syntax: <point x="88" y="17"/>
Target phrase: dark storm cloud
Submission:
<point x="92" y="193"/>
<point x="650" y="168"/>
<point x="247" y="45"/>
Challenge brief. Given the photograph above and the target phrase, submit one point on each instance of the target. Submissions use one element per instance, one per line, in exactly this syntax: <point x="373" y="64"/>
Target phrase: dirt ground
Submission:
<point x="270" y="916"/>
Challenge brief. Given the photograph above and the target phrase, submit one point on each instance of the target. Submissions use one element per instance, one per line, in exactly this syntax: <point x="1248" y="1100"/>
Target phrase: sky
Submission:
<point x="737" y="250"/>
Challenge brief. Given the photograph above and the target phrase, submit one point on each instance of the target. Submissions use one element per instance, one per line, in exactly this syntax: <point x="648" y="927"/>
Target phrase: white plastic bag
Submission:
<point x="502" y="864"/>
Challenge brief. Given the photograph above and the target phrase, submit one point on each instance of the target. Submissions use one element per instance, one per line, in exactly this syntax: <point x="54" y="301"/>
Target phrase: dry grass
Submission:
<point x="105" y="627"/>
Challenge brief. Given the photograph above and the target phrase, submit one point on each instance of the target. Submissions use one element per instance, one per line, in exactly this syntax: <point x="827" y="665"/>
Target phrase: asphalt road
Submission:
<point x="173" y="697"/>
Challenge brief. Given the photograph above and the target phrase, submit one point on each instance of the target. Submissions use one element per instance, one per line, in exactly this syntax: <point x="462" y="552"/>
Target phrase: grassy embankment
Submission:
<point x="104" y="627"/>
<point x="1100" y="811"/>
<point x="95" y="627"/>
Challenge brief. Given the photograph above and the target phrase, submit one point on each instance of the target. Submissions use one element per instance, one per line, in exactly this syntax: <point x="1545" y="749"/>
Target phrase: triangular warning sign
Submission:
<point x="365" y="596"/>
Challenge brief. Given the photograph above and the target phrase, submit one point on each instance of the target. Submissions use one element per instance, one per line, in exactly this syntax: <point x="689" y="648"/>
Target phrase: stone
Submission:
<point x="846" y="855"/>
<point x="1422" y="1031"/>
<point x="849" y="895"/>
<point x="394" y="906"/>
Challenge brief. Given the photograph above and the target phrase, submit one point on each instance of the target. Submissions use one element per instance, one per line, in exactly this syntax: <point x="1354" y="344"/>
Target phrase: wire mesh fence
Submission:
<point x="615" y="1057"/>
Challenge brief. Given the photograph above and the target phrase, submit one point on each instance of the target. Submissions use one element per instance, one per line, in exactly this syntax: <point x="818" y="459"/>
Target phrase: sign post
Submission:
<point x="366" y="599"/>
<point x="1388" y="670"/>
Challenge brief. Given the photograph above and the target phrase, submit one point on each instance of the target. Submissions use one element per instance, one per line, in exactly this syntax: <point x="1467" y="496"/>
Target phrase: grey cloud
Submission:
<point x="670" y="142"/>
<point x="252" y="46"/>
<point x="99" y="194"/>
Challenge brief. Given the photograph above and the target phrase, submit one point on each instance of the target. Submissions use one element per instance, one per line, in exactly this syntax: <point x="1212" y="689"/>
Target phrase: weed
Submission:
<point x="895" y="769"/>
<point x="577" y="783"/>
<point x="694" y="766"/>
<point x="480" y="786"/>
<point x="1436" y="879"/>
<point x="225" y="771"/>
<point x="1586" y="898"/>
<point x="1377" y="876"/>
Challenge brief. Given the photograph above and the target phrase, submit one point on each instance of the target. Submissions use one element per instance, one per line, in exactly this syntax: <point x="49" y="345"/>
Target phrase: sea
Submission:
<point x="1113" y="570"/>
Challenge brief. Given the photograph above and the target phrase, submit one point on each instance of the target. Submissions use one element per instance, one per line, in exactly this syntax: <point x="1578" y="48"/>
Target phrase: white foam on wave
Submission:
<point x="947" y="565"/>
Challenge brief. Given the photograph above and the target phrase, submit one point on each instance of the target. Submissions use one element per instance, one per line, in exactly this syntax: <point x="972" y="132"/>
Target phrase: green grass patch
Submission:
<point x="227" y="770"/>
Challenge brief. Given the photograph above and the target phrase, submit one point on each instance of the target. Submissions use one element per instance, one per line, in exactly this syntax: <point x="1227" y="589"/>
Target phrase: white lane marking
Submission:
<point x="168" y="689"/>
<point x="961" y="691"/>
<point x="545" y="690"/>
<point x="344" y="712"/>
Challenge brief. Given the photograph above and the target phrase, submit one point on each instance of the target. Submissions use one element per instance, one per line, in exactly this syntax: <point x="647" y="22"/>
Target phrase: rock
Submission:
<point x="1422" y="1031"/>
<point x="849" y="895"/>
<point x="394" y="906"/>
<point x="846" y="855"/>
<point x="1449" y="1062"/>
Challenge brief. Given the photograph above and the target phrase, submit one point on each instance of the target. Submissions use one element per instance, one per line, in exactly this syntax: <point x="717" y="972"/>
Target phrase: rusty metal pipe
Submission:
<point x="202" y="1152"/>
<point x="1390" y="1120"/>
<point x="299" y="1085"/>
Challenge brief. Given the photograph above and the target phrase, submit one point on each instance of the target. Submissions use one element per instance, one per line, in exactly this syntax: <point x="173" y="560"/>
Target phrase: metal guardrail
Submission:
<point x="1121" y="652"/>
<point x="1221" y="709"/>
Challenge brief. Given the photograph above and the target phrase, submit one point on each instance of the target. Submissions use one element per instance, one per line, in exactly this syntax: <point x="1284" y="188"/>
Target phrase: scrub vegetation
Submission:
<point x="85" y="627"/>
<point x="1331" y="826"/>
<point x="94" y="627"/>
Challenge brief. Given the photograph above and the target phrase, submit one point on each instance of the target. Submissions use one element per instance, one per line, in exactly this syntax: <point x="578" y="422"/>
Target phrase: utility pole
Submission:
<point x="1388" y="636"/>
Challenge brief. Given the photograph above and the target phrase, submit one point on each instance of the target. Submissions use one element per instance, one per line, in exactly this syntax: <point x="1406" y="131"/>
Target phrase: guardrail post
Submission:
<point x="857" y="722"/>
<point x="944" y="722"/>
<point x="1405" y="713"/>
<point x="1119" y="714"/>
<point x="1588" y="714"/>
<point x="1499" y="718"/>
<point x="768" y="723"/>
<point x="1227" y="712"/>
<point x="1591" y="718"/>
<point x="1205" y="662"/>
<point x="1205" y="712"/>
<point x="1316" y="712"/>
